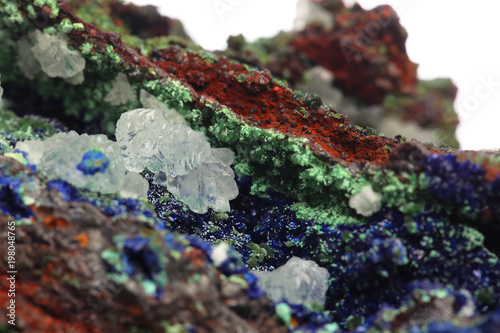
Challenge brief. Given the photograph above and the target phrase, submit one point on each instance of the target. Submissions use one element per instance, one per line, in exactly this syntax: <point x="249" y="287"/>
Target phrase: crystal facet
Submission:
<point x="89" y="161"/>
<point x="366" y="202"/>
<point x="180" y="158"/>
<point x="55" y="59"/>
<point x="210" y="184"/>
<point x="149" y="101"/>
<point x="299" y="281"/>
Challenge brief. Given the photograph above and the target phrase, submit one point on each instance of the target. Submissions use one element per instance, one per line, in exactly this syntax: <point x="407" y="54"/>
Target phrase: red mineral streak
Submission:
<point x="365" y="51"/>
<point x="263" y="103"/>
<point x="42" y="315"/>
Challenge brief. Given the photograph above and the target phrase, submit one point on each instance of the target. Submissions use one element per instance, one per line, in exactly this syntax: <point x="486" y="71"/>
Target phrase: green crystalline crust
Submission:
<point x="13" y="127"/>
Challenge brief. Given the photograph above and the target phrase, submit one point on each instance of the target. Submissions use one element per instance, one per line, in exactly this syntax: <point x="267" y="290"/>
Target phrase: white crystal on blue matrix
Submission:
<point x="88" y="161"/>
<point x="211" y="184"/>
<point x="298" y="281"/>
<point x="181" y="159"/>
<point x="219" y="254"/>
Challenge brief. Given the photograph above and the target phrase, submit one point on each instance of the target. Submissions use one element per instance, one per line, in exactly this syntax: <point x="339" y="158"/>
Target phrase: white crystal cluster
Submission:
<point x="366" y="202"/>
<point x="121" y="91"/>
<point x="180" y="158"/>
<point x="51" y="55"/>
<point x="62" y="155"/>
<point x="298" y="281"/>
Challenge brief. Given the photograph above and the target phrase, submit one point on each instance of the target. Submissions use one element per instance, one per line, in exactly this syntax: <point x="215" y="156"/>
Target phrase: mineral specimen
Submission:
<point x="149" y="101"/>
<point x="147" y="140"/>
<point x="406" y="231"/>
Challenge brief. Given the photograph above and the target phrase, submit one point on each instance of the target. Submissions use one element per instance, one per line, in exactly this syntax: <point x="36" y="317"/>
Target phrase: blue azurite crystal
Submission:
<point x="454" y="182"/>
<point x="93" y="161"/>
<point x="11" y="203"/>
<point x="139" y="258"/>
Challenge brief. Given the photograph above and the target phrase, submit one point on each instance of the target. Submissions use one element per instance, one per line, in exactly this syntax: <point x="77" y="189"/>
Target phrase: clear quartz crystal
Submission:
<point x="27" y="62"/>
<point x="183" y="149"/>
<point x="298" y="281"/>
<point x="34" y="148"/>
<point x="225" y="155"/>
<point x="133" y="131"/>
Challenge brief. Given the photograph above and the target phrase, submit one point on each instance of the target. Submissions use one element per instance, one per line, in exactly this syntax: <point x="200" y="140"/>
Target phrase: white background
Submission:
<point x="447" y="38"/>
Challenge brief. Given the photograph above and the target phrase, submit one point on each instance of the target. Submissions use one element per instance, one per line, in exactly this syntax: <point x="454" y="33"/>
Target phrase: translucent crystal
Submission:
<point x="219" y="254"/>
<point x="132" y="135"/>
<point x="121" y="92"/>
<point x="77" y="79"/>
<point x="27" y="62"/>
<point x="134" y="186"/>
<point x="366" y="202"/>
<point x="149" y="101"/>
<point x="298" y="281"/>
<point x="180" y="158"/>
<point x="210" y="184"/>
<point x="34" y="148"/>
<point x="55" y="58"/>
<point x="89" y="161"/>
<point x="183" y="149"/>
<point x="225" y="155"/>
<point x="148" y="141"/>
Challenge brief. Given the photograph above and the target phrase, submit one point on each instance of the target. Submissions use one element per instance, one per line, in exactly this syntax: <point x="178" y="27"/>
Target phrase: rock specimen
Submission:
<point x="407" y="232"/>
